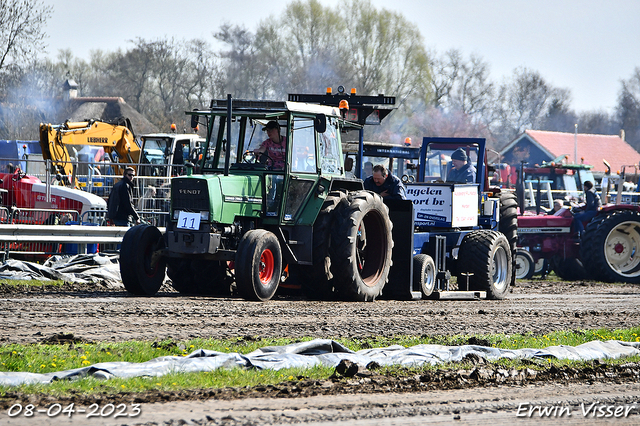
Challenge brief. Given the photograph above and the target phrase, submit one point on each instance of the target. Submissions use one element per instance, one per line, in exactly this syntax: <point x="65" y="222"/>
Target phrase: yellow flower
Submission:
<point x="192" y="346"/>
<point x="158" y="384"/>
<point x="108" y="353"/>
<point x="85" y="362"/>
<point x="53" y="364"/>
<point x="83" y="357"/>
<point x="14" y="352"/>
<point x="122" y="386"/>
<point x="42" y="366"/>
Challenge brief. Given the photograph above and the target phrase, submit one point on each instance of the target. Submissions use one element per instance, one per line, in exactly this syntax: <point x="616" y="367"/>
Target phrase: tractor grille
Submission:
<point x="190" y="195"/>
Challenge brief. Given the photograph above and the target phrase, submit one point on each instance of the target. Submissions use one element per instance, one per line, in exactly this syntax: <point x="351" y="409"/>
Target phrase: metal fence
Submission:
<point x="36" y="242"/>
<point x="151" y="186"/>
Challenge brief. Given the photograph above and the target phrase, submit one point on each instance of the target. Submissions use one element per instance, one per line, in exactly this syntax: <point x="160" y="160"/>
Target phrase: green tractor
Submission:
<point x="254" y="212"/>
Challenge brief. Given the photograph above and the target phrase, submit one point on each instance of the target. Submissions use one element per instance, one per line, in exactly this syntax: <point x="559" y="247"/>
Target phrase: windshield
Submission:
<point x="156" y="149"/>
<point x="247" y="134"/>
<point x="439" y="163"/>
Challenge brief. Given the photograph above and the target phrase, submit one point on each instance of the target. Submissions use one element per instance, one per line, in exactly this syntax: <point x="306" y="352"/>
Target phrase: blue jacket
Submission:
<point x="392" y="185"/>
<point x="467" y="174"/>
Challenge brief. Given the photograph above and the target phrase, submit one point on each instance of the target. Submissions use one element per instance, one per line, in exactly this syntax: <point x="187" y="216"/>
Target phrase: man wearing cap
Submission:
<point x="462" y="171"/>
<point x="385" y="184"/>
<point x="274" y="145"/>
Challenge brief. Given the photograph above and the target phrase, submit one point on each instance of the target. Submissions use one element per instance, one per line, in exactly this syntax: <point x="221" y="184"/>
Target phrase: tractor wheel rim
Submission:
<point x="499" y="268"/>
<point x="522" y="267"/>
<point x="621" y="249"/>
<point x="267" y="267"/>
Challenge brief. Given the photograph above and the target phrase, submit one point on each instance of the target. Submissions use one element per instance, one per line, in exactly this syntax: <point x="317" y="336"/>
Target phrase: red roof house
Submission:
<point x="537" y="146"/>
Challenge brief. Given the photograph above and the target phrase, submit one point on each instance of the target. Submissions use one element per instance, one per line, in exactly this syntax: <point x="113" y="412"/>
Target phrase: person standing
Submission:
<point x="463" y="171"/>
<point x="385" y="184"/>
<point x="120" y="205"/>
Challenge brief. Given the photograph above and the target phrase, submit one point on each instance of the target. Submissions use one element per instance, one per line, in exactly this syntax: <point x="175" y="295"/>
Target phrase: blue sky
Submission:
<point x="587" y="46"/>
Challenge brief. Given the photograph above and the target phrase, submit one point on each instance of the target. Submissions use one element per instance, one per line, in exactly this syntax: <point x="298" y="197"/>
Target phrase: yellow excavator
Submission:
<point x="112" y="143"/>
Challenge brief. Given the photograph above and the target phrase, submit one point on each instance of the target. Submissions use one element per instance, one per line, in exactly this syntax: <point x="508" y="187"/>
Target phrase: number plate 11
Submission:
<point x="189" y="221"/>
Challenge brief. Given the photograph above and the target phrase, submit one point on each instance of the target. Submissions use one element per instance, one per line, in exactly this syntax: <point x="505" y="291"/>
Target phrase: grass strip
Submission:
<point x="44" y="358"/>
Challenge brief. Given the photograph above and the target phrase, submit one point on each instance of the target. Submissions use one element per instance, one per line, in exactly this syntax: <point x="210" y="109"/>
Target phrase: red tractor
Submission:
<point x="608" y="249"/>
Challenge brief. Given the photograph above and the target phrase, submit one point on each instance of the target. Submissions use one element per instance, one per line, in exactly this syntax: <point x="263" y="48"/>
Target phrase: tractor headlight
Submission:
<point x="204" y="216"/>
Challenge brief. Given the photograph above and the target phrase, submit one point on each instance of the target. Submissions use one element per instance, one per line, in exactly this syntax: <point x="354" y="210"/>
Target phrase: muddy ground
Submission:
<point x="31" y="315"/>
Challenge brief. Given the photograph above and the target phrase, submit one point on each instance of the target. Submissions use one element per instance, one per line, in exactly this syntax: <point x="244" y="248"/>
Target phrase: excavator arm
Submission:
<point x="61" y="144"/>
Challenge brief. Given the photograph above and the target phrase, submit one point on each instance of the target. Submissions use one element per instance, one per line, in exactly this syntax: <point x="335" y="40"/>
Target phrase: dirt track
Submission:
<point x="538" y="307"/>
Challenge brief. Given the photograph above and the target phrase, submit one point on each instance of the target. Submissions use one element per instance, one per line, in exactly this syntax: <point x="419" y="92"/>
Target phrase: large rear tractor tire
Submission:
<point x="525" y="265"/>
<point x="613" y="251"/>
<point x="509" y="224"/>
<point x="258" y="265"/>
<point x="199" y="277"/>
<point x="316" y="280"/>
<point x="424" y="274"/>
<point x="142" y="266"/>
<point x="361" y="246"/>
<point x="487" y="256"/>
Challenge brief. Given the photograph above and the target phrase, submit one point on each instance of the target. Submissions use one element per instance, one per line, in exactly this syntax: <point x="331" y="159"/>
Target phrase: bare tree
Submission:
<point x="384" y="52"/>
<point x="524" y="102"/>
<point x="462" y="85"/>
<point x="628" y="110"/>
<point x="22" y="24"/>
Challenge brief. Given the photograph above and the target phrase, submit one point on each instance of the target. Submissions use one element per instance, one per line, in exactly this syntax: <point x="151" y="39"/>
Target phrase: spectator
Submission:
<point x="385" y="184"/>
<point x="368" y="170"/>
<point x="120" y="204"/>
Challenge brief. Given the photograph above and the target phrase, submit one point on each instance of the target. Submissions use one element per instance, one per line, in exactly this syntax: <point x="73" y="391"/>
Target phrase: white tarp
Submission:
<point x="321" y="352"/>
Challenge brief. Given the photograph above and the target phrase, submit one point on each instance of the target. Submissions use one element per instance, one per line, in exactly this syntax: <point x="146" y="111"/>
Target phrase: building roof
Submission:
<point x="593" y="148"/>
<point x="110" y="108"/>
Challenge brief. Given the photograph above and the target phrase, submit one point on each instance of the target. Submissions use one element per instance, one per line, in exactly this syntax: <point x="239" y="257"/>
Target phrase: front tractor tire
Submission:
<point x="142" y="267"/>
<point x="424" y="274"/>
<point x="258" y="265"/>
<point x="361" y="246"/>
<point x="525" y="265"/>
<point x="486" y="256"/>
<point x="610" y="248"/>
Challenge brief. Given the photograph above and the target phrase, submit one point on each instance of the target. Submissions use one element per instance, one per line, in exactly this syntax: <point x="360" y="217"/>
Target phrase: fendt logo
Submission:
<point x="190" y="191"/>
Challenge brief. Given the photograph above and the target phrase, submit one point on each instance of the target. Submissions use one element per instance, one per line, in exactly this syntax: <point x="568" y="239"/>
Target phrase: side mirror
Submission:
<point x="320" y="123"/>
<point x="194" y="121"/>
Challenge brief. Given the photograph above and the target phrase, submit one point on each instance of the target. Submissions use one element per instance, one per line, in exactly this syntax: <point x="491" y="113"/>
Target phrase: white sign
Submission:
<point x="189" y="221"/>
<point x="445" y="205"/>
<point x="465" y="206"/>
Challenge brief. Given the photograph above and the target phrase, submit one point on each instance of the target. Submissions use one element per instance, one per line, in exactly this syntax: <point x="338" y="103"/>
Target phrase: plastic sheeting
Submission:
<point x="321" y="352"/>
<point x="82" y="269"/>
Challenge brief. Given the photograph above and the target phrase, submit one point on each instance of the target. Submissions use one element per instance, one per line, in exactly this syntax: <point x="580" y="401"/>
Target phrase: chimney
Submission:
<point x="70" y="88"/>
<point x="622" y="135"/>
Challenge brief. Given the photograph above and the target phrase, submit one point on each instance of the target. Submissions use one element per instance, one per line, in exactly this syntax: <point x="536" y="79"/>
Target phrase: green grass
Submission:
<point x="31" y="283"/>
<point x="43" y="358"/>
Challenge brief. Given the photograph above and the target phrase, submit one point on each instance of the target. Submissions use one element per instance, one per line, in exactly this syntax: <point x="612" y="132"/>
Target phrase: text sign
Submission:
<point x="188" y="220"/>
<point x="444" y="205"/>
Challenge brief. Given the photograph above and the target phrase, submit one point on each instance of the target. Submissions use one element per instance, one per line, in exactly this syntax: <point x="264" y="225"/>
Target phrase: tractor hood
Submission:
<point x="224" y="197"/>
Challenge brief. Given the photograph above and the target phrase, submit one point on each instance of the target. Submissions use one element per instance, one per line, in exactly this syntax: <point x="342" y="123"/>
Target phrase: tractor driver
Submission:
<point x="462" y="171"/>
<point x="274" y="145"/>
<point x="591" y="206"/>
